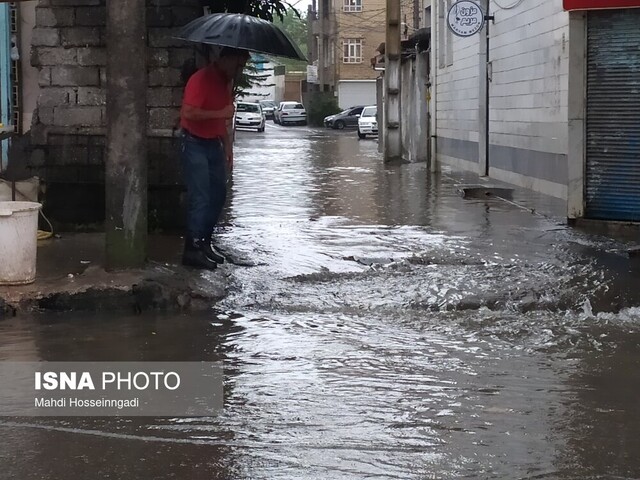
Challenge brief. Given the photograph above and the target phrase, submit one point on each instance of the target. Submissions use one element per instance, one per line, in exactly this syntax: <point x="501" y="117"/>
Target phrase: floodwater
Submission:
<point x="380" y="327"/>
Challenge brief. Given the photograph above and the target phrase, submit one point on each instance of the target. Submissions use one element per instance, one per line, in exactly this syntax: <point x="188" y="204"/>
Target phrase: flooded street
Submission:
<point x="379" y="326"/>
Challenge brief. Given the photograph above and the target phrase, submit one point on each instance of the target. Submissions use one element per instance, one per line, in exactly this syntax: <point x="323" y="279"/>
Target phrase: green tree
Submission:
<point x="296" y="26"/>
<point x="265" y="9"/>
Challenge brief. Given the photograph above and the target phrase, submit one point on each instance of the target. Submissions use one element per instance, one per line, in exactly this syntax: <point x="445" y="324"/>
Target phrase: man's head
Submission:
<point x="231" y="61"/>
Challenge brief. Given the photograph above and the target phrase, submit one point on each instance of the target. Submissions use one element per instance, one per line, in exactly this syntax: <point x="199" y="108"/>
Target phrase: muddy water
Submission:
<point x="386" y="328"/>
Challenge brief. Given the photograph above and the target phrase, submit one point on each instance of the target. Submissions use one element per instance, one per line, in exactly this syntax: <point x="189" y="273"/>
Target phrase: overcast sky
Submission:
<point x="301" y="5"/>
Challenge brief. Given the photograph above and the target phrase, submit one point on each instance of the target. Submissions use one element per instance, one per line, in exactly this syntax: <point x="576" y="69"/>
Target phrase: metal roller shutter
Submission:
<point x="352" y="93"/>
<point x="613" y="115"/>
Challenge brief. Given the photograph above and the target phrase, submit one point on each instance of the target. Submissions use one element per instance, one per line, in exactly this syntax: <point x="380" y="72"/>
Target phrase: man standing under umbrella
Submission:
<point x="207" y="152"/>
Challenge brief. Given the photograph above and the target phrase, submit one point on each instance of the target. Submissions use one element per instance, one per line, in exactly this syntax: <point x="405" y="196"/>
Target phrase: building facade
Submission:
<point x="552" y="106"/>
<point x="345" y="36"/>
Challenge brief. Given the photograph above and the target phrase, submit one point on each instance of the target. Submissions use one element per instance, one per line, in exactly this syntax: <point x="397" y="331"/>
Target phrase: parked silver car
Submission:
<point x="290" y="112"/>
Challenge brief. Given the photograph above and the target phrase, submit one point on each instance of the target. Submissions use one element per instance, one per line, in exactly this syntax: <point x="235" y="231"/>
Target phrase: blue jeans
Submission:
<point x="205" y="175"/>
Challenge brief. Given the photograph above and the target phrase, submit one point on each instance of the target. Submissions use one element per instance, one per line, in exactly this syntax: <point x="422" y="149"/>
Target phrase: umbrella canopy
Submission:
<point x="241" y="31"/>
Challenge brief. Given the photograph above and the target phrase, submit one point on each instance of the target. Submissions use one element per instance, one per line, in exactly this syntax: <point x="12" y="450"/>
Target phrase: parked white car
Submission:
<point x="368" y="122"/>
<point x="249" y="115"/>
<point x="290" y="112"/>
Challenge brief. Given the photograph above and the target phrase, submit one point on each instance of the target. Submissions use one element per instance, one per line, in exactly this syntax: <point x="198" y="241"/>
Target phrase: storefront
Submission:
<point x="611" y="153"/>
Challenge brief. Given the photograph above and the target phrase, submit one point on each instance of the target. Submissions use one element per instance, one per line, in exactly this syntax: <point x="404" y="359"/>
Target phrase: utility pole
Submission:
<point x="392" y="141"/>
<point x="416" y="14"/>
<point x="126" y="159"/>
<point x="323" y="16"/>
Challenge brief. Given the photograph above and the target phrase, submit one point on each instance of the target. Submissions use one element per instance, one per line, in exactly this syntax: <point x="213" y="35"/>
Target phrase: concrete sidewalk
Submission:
<point x="71" y="276"/>
<point x="547" y="206"/>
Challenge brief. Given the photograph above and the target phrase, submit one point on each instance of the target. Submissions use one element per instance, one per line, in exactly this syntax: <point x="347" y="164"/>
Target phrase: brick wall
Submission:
<point x="67" y="134"/>
<point x="369" y="25"/>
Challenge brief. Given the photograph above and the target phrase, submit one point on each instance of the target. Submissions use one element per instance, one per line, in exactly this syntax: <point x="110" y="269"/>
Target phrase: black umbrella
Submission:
<point x="241" y="31"/>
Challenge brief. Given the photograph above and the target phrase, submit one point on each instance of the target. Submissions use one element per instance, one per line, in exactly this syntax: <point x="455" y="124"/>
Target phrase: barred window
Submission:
<point x="352" y="5"/>
<point x="352" y="50"/>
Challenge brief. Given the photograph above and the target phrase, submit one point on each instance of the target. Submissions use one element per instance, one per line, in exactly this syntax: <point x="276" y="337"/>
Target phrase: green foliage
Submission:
<point x="320" y="106"/>
<point x="296" y="26"/>
<point x="250" y="77"/>
<point x="265" y="9"/>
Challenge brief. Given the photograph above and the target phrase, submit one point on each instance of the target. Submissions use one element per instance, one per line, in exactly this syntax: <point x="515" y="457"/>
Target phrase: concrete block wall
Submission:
<point x="69" y="50"/>
<point x="68" y="129"/>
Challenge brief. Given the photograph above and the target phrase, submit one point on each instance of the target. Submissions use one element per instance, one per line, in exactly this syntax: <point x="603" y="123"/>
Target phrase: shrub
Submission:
<point x="321" y="104"/>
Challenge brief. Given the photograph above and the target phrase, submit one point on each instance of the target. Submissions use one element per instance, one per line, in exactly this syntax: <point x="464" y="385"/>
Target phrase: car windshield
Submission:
<point x="292" y="106"/>
<point x="267" y="103"/>
<point x="248" y="107"/>
<point x="369" y="112"/>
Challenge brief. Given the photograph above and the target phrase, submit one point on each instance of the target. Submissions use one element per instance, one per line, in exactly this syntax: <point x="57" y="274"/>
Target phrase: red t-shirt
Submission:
<point x="207" y="89"/>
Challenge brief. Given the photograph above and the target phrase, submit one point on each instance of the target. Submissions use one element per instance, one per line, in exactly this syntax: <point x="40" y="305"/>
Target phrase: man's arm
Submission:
<point x="196" y="114"/>
<point x="227" y="142"/>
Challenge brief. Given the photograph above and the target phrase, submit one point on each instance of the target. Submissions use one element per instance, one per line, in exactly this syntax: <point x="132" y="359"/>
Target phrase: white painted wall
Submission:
<point x="271" y="88"/>
<point x="457" y="83"/>
<point x="529" y="91"/>
<point x="529" y="55"/>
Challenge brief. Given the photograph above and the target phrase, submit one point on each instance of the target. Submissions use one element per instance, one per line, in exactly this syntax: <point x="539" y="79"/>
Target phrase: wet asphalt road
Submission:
<point x="388" y="329"/>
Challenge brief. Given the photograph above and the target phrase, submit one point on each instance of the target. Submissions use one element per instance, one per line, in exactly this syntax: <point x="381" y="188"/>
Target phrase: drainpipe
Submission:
<point x="433" y="104"/>
<point x="484" y="78"/>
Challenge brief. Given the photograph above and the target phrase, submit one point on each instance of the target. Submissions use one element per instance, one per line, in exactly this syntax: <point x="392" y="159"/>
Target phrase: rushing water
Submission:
<point x="387" y="329"/>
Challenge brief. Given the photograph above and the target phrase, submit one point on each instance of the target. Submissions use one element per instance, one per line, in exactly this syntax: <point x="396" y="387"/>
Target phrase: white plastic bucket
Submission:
<point x="18" y="242"/>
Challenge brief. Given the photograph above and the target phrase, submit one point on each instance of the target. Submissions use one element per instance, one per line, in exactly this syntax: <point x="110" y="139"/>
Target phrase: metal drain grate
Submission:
<point x="482" y="191"/>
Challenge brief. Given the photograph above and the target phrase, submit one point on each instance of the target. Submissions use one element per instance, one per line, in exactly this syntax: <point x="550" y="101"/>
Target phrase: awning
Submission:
<point x="599" y="4"/>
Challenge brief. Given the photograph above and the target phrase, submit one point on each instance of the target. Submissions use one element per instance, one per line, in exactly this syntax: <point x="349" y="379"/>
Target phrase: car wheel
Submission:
<point x="361" y="135"/>
<point x="339" y="125"/>
<point x="261" y="129"/>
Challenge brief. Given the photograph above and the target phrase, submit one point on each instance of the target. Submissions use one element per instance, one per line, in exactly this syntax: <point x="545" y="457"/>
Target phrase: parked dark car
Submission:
<point x="346" y="118"/>
<point x="268" y="107"/>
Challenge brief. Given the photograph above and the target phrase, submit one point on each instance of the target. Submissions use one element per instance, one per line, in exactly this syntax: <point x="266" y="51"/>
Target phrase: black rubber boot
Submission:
<point x="195" y="255"/>
<point x="211" y="252"/>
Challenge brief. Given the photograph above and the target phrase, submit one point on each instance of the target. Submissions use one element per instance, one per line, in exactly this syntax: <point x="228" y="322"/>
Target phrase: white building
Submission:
<point x="271" y="80"/>
<point x="563" y="100"/>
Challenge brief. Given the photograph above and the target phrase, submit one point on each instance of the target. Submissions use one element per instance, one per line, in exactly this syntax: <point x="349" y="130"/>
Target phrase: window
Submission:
<point x="248" y="107"/>
<point x="369" y="112"/>
<point x="327" y="50"/>
<point x="352" y="50"/>
<point x="352" y="5"/>
<point x="445" y="37"/>
<point x="332" y="51"/>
